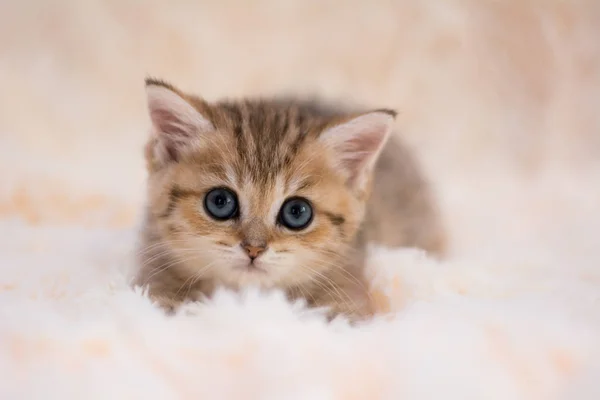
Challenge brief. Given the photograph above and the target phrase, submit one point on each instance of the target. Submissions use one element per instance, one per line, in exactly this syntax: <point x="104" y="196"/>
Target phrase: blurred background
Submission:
<point x="499" y="99"/>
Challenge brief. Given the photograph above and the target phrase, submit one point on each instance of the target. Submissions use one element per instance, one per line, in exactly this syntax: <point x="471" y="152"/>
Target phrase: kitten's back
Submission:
<point x="402" y="211"/>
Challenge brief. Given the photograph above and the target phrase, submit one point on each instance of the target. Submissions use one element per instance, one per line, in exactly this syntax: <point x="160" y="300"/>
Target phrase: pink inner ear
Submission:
<point x="356" y="144"/>
<point x="361" y="148"/>
<point x="168" y="123"/>
<point x="172" y="131"/>
<point x="362" y="141"/>
<point x="177" y="124"/>
<point x="172" y="115"/>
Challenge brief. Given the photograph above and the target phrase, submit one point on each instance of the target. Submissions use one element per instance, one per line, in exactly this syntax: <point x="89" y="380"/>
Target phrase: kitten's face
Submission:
<point x="277" y="231"/>
<point x="252" y="193"/>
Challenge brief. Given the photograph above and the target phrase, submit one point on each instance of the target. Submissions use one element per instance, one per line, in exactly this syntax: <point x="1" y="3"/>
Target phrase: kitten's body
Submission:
<point x="267" y="151"/>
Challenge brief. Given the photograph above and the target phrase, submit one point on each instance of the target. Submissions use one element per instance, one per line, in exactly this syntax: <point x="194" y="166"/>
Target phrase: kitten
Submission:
<point x="275" y="193"/>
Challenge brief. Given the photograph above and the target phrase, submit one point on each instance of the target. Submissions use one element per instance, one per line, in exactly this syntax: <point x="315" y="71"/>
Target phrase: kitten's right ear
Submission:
<point x="176" y="125"/>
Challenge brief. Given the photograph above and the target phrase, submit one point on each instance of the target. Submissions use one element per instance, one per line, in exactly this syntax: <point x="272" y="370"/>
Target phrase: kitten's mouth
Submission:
<point x="251" y="267"/>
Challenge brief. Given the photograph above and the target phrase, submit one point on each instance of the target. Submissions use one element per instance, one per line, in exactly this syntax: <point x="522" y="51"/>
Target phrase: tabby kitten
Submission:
<point x="276" y="193"/>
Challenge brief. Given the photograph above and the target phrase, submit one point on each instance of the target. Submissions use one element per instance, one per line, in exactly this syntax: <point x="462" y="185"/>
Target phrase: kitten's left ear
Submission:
<point x="178" y="126"/>
<point x="357" y="143"/>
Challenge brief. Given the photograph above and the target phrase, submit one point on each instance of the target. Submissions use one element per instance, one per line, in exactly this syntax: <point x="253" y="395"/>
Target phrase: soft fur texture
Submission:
<point x="361" y="185"/>
<point x="500" y="101"/>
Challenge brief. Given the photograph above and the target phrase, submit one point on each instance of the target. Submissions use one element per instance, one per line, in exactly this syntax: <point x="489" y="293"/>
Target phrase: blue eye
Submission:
<point x="296" y="213"/>
<point x="221" y="204"/>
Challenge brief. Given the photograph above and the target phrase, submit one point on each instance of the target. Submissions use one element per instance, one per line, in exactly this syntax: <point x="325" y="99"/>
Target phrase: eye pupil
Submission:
<point x="296" y="214"/>
<point x="220" y="201"/>
<point x="221" y="204"/>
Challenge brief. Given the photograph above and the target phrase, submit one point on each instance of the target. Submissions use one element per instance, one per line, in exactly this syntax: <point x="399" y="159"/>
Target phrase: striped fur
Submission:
<point x="266" y="151"/>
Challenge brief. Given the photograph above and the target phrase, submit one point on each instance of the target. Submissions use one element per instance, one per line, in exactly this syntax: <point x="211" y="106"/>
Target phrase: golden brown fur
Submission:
<point x="268" y="150"/>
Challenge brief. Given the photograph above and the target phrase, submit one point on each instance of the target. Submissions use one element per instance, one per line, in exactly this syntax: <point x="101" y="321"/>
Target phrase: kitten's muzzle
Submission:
<point x="254" y="249"/>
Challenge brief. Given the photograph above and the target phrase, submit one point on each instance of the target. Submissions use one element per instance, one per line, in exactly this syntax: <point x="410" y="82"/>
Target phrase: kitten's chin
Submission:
<point x="253" y="277"/>
<point x="239" y="273"/>
<point x="265" y="272"/>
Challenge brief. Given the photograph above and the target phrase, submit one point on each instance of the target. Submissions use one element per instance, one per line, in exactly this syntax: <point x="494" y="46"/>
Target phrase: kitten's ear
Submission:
<point x="177" y="126"/>
<point x="357" y="143"/>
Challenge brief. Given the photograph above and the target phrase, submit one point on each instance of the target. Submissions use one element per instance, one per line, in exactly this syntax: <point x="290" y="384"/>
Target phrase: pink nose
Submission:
<point x="253" y="251"/>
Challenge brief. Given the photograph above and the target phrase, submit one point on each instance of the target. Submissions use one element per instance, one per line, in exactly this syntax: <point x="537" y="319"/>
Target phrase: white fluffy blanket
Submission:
<point x="500" y="99"/>
<point x="71" y="328"/>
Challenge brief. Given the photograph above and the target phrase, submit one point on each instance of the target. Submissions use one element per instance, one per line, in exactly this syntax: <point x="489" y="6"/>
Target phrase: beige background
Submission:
<point x="501" y="99"/>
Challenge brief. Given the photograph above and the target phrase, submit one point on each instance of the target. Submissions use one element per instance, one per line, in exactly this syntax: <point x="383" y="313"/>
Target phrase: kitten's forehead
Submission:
<point x="264" y="193"/>
<point x="268" y="136"/>
<point x="268" y="150"/>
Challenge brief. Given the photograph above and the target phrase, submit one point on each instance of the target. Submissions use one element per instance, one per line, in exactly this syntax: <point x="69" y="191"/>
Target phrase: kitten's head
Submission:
<point x="268" y="193"/>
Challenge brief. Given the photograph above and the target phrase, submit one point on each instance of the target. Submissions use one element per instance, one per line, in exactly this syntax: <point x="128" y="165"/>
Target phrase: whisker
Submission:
<point x="165" y="242"/>
<point x="159" y="269"/>
<point x="192" y="279"/>
<point x="173" y="253"/>
<point x="350" y="278"/>
<point x="176" y="259"/>
<point x="330" y="286"/>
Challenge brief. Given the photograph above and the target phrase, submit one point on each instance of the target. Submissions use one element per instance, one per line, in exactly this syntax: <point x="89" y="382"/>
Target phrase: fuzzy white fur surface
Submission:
<point x="499" y="100"/>
<point x="71" y="328"/>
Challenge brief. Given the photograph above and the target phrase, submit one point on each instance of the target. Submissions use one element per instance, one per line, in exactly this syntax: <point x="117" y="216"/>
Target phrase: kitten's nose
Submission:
<point x="254" y="249"/>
